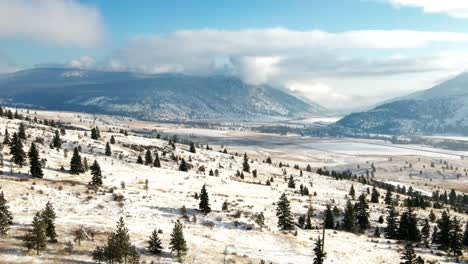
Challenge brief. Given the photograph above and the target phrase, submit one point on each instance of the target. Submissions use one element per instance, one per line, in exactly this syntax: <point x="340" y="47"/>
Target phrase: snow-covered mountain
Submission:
<point x="164" y="96"/>
<point x="442" y="109"/>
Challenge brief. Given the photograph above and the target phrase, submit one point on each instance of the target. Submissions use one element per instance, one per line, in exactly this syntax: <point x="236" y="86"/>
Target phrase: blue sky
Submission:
<point x="354" y="52"/>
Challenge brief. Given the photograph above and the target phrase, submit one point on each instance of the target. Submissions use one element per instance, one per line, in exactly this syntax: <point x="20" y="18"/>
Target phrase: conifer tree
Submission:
<point x="177" y="242"/>
<point x="204" y="201"/>
<point x="154" y="243"/>
<point x="48" y="218"/>
<point x="148" y="157"/>
<point x="139" y="160"/>
<point x="391" y="230"/>
<point x="388" y="197"/>
<point x="456" y="238"/>
<point x="283" y="212"/>
<point x="349" y="217"/>
<point x="444" y="225"/>
<point x="375" y="195"/>
<point x="408" y="229"/>
<point x="245" y="165"/>
<point x="183" y="165"/>
<point x="157" y="162"/>
<point x="96" y="180"/>
<point x="34" y="162"/>
<point x="112" y="140"/>
<point x="426" y="232"/>
<point x="362" y="213"/>
<point x="329" y="218"/>
<point x="16" y="150"/>
<point x="192" y="148"/>
<point x="76" y="167"/>
<point x="122" y="240"/>
<point x="95" y="133"/>
<point x="319" y="252"/>
<point x="291" y="183"/>
<point x="36" y="236"/>
<point x="6" y="138"/>
<point x="408" y="257"/>
<point x="352" y="193"/>
<point x="6" y="219"/>
<point x="21" y="131"/>
<point x="56" y="141"/>
<point x="432" y="216"/>
<point x="108" y="149"/>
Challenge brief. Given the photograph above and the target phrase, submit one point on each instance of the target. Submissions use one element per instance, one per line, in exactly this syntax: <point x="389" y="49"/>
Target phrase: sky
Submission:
<point x="342" y="54"/>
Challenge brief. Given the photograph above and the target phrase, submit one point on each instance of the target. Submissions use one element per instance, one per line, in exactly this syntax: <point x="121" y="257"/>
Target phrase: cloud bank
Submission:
<point x="453" y="8"/>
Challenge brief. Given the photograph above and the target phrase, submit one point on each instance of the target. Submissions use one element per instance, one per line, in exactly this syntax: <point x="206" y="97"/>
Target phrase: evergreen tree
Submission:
<point x="34" y="162"/>
<point x="16" y="150"/>
<point x="204" y="201"/>
<point x="177" y="243"/>
<point x="183" y="165"/>
<point x="76" y="167"/>
<point x="329" y="218"/>
<point x="108" y="149"/>
<point x="391" y="230"/>
<point x="432" y="216"/>
<point x="56" y="141"/>
<point x="6" y="219"/>
<point x="283" y="212"/>
<point x="96" y="180"/>
<point x="409" y="257"/>
<point x="456" y="238"/>
<point x="352" y="193"/>
<point x="291" y="183"/>
<point x="444" y="225"/>
<point x="349" y="218"/>
<point x="156" y="163"/>
<point x="6" y="138"/>
<point x="426" y="232"/>
<point x="408" y="229"/>
<point x="245" y="165"/>
<point x="112" y="140"/>
<point x="319" y="253"/>
<point x="375" y="195"/>
<point x="148" y="157"/>
<point x="388" y="197"/>
<point x="192" y="148"/>
<point x="154" y="243"/>
<point x="21" y="131"/>
<point x="48" y="218"/>
<point x="362" y="213"/>
<point x="139" y="160"/>
<point x="36" y="236"/>
<point x="95" y="133"/>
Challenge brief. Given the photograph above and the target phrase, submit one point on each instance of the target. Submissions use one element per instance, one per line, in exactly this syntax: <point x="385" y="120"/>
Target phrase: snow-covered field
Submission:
<point x="234" y="231"/>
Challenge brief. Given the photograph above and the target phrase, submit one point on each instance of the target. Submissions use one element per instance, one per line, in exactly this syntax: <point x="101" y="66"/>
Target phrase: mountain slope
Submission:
<point x="165" y="96"/>
<point x="442" y="109"/>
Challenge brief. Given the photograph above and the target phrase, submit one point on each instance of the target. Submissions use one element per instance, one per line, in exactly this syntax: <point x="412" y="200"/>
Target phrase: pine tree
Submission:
<point x="375" y="195"/>
<point x="352" y="193"/>
<point x="96" y="180"/>
<point x="408" y="229"/>
<point x="177" y="243"/>
<point x="192" y="148"/>
<point x="362" y="213"/>
<point x="16" y="150"/>
<point x="148" y="157"/>
<point x="426" y="232"/>
<point x="122" y="239"/>
<point x="75" y="163"/>
<point x="432" y="216"/>
<point x="21" y="131"/>
<point x="456" y="238"/>
<point x="245" y="165"/>
<point x="349" y="217"/>
<point x="319" y="253"/>
<point x="6" y="138"/>
<point x="329" y="218"/>
<point x="409" y="257"/>
<point x="34" y="162"/>
<point x="139" y="160"/>
<point x="283" y="212"/>
<point x="36" y="236"/>
<point x="391" y="230"/>
<point x="95" y="133"/>
<point x="444" y="225"/>
<point x="156" y="163"/>
<point x="112" y="140"/>
<point x="48" y="218"/>
<point x="183" y="165"/>
<point x="388" y="197"/>
<point x="56" y="141"/>
<point x="204" y="201"/>
<point x="6" y="219"/>
<point x="154" y="243"/>
<point x="291" y="183"/>
<point x="108" y="149"/>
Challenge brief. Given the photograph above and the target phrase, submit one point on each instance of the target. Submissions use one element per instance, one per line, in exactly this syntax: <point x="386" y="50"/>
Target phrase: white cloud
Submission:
<point x="85" y="62"/>
<point x="453" y="8"/>
<point x="63" y="22"/>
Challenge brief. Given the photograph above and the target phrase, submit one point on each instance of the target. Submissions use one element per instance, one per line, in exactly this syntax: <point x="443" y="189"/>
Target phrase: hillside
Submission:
<point x="150" y="97"/>
<point x="442" y="109"/>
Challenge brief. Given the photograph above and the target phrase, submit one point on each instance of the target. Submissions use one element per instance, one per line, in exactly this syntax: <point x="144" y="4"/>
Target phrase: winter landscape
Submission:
<point x="249" y="132"/>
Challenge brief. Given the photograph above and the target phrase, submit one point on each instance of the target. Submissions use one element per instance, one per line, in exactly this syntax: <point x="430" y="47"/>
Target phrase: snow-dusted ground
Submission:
<point x="170" y="189"/>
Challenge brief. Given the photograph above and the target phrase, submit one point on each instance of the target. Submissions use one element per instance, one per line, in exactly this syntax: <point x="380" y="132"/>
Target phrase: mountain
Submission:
<point x="442" y="109"/>
<point x="150" y="97"/>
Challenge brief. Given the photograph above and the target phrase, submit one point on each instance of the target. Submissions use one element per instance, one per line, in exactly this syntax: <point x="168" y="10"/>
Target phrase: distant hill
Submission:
<point x="151" y="97"/>
<point x="442" y="109"/>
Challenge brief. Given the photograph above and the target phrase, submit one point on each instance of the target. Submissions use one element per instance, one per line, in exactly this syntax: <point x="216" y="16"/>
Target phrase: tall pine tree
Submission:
<point x="148" y="158"/>
<point x="96" y="180"/>
<point x="362" y="213"/>
<point x="177" y="242"/>
<point x="36" y="236"/>
<point x="35" y="166"/>
<point x="391" y="230"/>
<point x="245" y="165"/>
<point x="154" y="243"/>
<point x="204" y="201"/>
<point x="6" y="218"/>
<point x="329" y="218"/>
<point x="319" y="252"/>
<point x="16" y="150"/>
<point x="48" y="217"/>
<point x="76" y="167"/>
<point x="349" y="217"/>
<point x="157" y="162"/>
<point x="283" y="212"/>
